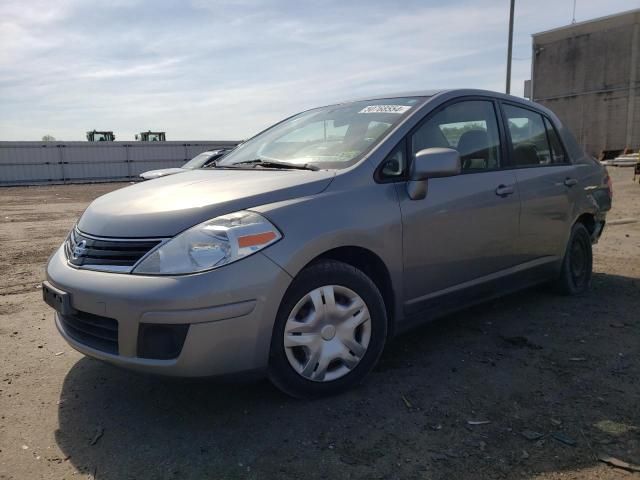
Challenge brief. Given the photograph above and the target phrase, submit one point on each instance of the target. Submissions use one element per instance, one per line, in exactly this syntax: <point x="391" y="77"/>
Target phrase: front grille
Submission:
<point x="94" y="331"/>
<point x="84" y="250"/>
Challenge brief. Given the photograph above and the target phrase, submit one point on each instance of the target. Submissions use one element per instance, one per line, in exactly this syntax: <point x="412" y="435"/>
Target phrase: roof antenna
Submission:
<point x="573" y="20"/>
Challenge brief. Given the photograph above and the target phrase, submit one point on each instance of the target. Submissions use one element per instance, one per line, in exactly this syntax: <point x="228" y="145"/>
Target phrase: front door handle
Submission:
<point x="504" y="190"/>
<point x="570" y="182"/>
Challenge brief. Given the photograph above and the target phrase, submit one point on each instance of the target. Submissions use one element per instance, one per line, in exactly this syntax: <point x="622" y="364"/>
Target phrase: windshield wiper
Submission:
<point x="277" y="164"/>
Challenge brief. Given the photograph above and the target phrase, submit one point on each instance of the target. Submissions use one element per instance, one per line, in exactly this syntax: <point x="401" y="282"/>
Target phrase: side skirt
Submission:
<point x="480" y="290"/>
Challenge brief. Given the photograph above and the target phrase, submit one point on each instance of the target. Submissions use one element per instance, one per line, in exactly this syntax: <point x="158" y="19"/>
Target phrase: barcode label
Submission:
<point x="385" y="109"/>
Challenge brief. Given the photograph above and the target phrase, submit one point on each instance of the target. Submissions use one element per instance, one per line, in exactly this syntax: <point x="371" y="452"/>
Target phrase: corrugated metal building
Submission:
<point x="588" y="73"/>
<point x="32" y="163"/>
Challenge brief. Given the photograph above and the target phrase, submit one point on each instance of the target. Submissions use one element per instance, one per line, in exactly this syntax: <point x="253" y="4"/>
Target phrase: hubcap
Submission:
<point x="327" y="333"/>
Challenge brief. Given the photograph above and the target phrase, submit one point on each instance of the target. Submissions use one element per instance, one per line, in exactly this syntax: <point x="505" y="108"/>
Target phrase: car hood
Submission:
<point x="161" y="172"/>
<point x="171" y="204"/>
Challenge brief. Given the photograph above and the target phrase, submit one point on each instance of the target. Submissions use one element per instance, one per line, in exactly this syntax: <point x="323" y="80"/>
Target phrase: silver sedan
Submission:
<point x="308" y="247"/>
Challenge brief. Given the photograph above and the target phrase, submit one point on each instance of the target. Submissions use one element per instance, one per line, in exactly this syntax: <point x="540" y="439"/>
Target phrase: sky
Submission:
<point x="223" y="70"/>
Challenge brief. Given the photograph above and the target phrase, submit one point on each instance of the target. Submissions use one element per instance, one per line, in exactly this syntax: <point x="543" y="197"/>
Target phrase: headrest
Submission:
<point x="525" y="154"/>
<point x="474" y="143"/>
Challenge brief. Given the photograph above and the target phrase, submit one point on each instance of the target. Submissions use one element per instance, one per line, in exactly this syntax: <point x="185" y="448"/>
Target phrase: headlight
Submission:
<point x="211" y="244"/>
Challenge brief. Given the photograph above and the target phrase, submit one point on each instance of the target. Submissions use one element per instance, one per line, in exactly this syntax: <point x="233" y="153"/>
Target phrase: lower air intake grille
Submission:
<point x="93" y="331"/>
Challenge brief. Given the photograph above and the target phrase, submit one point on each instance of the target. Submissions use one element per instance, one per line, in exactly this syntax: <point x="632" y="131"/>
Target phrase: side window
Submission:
<point x="528" y="137"/>
<point x="470" y="127"/>
<point x="557" y="152"/>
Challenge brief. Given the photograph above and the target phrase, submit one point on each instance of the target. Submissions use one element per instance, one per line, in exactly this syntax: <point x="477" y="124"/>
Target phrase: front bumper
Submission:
<point x="230" y="312"/>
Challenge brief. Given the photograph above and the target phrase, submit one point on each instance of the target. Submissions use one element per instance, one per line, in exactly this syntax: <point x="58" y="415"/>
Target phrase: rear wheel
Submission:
<point x="329" y="333"/>
<point x="575" y="277"/>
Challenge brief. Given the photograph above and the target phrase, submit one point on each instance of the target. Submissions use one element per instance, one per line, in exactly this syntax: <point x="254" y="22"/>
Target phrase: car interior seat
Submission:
<point x="525" y="154"/>
<point x="473" y="146"/>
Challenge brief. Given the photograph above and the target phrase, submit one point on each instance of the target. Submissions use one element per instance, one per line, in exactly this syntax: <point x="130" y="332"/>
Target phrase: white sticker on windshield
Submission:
<point x="385" y="109"/>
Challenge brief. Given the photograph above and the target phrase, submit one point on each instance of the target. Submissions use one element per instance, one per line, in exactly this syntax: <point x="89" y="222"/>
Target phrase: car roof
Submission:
<point x="434" y="92"/>
<point x="414" y="93"/>
<point x="453" y="93"/>
<point x="450" y="94"/>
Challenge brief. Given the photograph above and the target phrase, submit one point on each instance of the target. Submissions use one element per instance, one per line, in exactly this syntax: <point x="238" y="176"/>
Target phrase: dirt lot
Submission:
<point x="552" y="381"/>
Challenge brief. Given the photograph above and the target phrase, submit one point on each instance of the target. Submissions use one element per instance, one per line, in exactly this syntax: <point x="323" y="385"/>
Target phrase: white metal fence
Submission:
<point x="35" y="163"/>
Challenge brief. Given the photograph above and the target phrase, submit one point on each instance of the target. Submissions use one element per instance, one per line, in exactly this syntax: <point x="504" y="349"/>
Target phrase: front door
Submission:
<point x="465" y="228"/>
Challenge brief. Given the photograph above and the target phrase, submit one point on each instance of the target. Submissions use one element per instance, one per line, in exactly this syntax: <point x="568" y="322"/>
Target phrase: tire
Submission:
<point x="330" y="345"/>
<point x="577" y="265"/>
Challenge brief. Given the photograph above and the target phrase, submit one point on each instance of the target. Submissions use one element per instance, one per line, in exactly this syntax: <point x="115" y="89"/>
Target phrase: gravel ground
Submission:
<point x="532" y="386"/>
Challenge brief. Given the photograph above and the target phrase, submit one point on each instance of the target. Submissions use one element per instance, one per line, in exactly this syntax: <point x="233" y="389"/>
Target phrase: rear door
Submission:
<point x="547" y="183"/>
<point x="466" y="226"/>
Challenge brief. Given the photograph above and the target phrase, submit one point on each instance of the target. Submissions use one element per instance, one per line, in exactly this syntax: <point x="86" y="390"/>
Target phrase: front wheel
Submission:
<point x="577" y="265"/>
<point x="329" y="332"/>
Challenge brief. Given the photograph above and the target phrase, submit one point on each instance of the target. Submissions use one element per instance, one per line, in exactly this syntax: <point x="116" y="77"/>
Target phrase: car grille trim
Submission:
<point x="106" y="254"/>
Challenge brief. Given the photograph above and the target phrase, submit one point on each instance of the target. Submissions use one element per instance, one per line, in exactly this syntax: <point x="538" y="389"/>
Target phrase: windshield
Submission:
<point x="198" y="161"/>
<point x="329" y="137"/>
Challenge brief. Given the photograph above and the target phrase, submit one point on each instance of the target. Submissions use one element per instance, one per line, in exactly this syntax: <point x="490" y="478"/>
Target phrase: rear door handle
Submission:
<point x="504" y="190"/>
<point x="570" y="182"/>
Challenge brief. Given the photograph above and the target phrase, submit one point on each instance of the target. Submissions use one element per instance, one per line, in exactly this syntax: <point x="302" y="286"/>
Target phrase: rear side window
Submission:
<point x="529" y="138"/>
<point x="557" y="152"/>
<point x="470" y="127"/>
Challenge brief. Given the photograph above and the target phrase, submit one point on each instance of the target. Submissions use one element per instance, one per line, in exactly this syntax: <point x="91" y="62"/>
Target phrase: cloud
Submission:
<point x="145" y="69"/>
<point x="226" y="69"/>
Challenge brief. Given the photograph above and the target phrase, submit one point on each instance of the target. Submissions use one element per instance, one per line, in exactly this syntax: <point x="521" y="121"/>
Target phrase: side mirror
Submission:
<point x="431" y="163"/>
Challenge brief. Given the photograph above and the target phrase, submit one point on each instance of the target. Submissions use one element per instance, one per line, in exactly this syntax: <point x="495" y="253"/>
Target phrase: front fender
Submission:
<point x="366" y="216"/>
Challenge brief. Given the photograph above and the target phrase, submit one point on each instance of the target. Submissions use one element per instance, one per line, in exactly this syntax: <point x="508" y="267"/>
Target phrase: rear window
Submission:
<point x="557" y="151"/>
<point x="534" y="141"/>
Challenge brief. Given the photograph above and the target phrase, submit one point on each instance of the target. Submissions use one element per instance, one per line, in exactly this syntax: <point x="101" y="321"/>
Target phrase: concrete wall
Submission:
<point x="33" y="163"/>
<point x="589" y="75"/>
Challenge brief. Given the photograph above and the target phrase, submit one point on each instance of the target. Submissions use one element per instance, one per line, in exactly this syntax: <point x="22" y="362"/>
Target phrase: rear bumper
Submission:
<point x="229" y="313"/>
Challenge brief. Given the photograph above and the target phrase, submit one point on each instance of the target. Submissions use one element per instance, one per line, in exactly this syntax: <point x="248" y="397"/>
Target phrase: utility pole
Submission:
<point x="510" y="48"/>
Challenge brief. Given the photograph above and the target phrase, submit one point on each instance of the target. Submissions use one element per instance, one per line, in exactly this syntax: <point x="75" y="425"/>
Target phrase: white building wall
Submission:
<point x="34" y="163"/>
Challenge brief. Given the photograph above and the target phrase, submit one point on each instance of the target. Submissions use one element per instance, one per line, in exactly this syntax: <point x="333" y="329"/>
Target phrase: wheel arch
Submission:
<point x="588" y="220"/>
<point x="371" y="265"/>
<point x="593" y="223"/>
